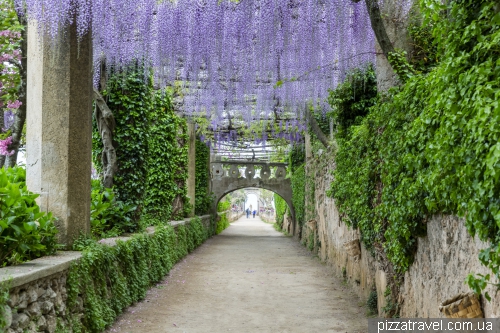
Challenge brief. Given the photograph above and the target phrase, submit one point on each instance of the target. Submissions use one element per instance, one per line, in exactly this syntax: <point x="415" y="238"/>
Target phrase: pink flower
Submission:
<point x="4" y="147"/>
<point x="14" y="105"/>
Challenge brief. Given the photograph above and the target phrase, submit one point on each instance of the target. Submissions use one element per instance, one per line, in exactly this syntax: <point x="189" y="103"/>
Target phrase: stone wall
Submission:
<point x="38" y="289"/>
<point x="38" y="294"/>
<point x="234" y="216"/>
<point x="332" y="233"/>
<point x="443" y="259"/>
<point x="268" y="217"/>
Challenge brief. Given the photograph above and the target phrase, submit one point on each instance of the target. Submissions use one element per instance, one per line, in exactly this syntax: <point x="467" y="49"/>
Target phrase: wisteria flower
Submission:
<point x="4" y="147"/>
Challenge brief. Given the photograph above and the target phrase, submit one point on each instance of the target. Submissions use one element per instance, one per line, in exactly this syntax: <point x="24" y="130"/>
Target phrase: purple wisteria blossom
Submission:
<point x="253" y="59"/>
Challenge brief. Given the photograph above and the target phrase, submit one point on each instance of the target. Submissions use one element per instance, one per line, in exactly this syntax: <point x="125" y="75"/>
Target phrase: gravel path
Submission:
<point x="250" y="278"/>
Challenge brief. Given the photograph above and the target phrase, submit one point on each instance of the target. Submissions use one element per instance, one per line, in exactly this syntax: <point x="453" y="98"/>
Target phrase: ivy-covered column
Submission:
<point x="308" y="184"/>
<point x="59" y="124"/>
<point x="191" y="180"/>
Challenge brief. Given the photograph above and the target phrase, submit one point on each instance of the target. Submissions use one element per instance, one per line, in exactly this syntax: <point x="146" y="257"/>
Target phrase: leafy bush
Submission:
<point x="299" y="193"/>
<point x="204" y="200"/>
<point x="351" y="100"/>
<point x="281" y="208"/>
<point x="108" y="216"/>
<point x="224" y="205"/>
<point x="109" y="279"/>
<point x="371" y="303"/>
<point x="150" y="143"/>
<point x="429" y="146"/>
<point x="26" y="233"/>
<point x="222" y="224"/>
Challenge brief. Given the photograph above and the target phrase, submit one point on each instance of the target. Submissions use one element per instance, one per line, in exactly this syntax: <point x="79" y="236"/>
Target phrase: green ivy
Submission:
<point x="296" y="157"/>
<point x="203" y="199"/>
<point x="222" y="224"/>
<point x="431" y="146"/>
<point x="281" y="208"/>
<point x="109" y="279"/>
<point x="298" y="194"/>
<point x="150" y="142"/>
<point x="351" y="100"/>
<point x="129" y="98"/>
<point x="167" y="160"/>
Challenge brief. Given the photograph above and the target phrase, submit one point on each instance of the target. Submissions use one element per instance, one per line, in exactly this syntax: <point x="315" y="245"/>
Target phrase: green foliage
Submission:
<point x="4" y="297"/>
<point x="371" y="303"/>
<point x="297" y="157"/>
<point x="129" y="98"/>
<point x="167" y="160"/>
<point x="10" y="44"/>
<point x="109" y="279"/>
<point x="26" y="233"/>
<point x="424" y="55"/>
<point x="355" y="180"/>
<point x="281" y="208"/>
<point x="224" y="204"/>
<point x="150" y="142"/>
<point x="108" y="216"/>
<point x="351" y="100"/>
<point x="222" y="224"/>
<point x="203" y="199"/>
<point x="298" y="194"/>
<point x="431" y="146"/>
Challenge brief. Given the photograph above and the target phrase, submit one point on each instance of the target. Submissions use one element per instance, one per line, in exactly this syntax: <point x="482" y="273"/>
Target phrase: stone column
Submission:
<point x="59" y="128"/>
<point x="191" y="180"/>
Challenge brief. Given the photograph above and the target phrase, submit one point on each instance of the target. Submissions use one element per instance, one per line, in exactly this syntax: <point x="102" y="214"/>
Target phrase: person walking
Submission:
<point x="254" y="212"/>
<point x="248" y="212"/>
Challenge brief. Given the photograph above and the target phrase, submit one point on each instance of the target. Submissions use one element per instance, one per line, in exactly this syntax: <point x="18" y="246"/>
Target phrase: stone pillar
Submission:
<point x="59" y="128"/>
<point x="191" y="180"/>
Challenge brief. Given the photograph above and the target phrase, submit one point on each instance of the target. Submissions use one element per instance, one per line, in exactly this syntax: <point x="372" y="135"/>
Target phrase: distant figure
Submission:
<point x="248" y="212"/>
<point x="254" y="212"/>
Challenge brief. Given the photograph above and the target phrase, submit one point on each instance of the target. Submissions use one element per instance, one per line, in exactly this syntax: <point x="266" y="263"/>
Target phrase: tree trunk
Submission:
<point x="20" y="116"/>
<point x="106" y="125"/>
<point x="378" y="27"/>
<point x="316" y="129"/>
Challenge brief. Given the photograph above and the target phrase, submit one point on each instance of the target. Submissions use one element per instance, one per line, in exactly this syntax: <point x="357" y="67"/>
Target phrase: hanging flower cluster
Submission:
<point x="250" y="60"/>
<point x="10" y="60"/>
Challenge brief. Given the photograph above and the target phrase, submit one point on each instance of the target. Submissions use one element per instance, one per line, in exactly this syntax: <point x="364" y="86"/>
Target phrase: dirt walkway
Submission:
<point x="250" y="278"/>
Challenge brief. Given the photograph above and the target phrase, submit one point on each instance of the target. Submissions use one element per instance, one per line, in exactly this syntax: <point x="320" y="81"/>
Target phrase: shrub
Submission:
<point x="371" y="303"/>
<point x="26" y="233"/>
<point x="222" y="224"/>
<point x="108" y="216"/>
<point x="108" y="279"/>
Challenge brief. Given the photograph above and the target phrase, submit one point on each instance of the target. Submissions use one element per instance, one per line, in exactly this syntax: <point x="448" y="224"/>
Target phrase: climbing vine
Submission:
<point x="298" y="194"/>
<point x="107" y="279"/>
<point x="128" y="97"/>
<point x="151" y="149"/>
<point x="281" y="208"/>
<point x="166" y="161"/>
<point x="203" y="200"/>
<point x="429" y="146"/>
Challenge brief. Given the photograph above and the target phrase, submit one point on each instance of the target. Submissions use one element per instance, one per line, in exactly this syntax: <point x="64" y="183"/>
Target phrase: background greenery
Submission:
<point x="431" y="145"/>
<point x="150" y="142"/>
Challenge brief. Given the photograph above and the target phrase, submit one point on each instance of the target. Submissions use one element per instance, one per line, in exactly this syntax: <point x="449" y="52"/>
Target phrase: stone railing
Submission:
<point x="264" y="171"/>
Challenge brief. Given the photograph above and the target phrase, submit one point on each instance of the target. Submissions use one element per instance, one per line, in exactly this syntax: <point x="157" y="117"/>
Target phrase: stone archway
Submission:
<point x="226" y="178"/>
